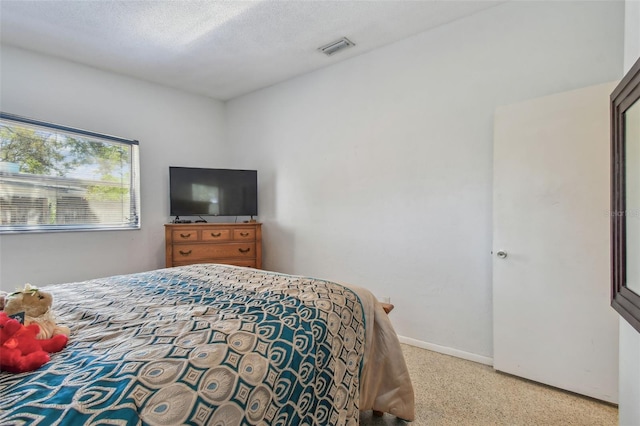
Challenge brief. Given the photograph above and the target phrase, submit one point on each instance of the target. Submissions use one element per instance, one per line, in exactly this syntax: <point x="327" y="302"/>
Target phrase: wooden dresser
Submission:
<point x="237" y="244"/>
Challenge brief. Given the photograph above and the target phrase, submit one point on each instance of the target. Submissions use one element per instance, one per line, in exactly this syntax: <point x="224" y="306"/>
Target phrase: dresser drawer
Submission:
<point x="184" y="235"/>
<point x="249" y="263"/>
<point x="196" y="252"/>
<point x="221" y="234"/>
<point x="231" y="243"/>
<point x="244" y="234"/>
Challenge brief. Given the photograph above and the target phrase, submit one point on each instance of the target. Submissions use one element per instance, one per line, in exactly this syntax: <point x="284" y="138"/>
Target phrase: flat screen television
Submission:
<point x="213" y="192"/>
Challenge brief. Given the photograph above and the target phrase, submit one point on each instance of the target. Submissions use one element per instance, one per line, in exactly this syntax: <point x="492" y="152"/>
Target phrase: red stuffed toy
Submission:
<point x="20" y="351"/>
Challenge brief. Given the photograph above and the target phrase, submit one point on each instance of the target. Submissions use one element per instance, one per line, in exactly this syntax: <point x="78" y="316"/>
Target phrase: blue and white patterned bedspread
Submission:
<point x="198" y="345"/>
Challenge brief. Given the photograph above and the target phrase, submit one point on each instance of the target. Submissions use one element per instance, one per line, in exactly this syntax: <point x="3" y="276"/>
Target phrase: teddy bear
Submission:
<point x="36" y="305"/>
<point x="20" y="351"/>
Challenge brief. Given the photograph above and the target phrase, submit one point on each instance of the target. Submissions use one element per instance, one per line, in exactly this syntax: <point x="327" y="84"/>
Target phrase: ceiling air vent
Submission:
<point x="336" y="46"/>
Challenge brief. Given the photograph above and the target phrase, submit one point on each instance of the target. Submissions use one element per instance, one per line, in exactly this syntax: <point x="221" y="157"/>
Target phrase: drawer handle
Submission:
<point x="244" y="251"/>
<point x="244" y="234"/>
<point x="185" y="235"/>
<point x="185" y="253"/>
<point x="216" y="235"/>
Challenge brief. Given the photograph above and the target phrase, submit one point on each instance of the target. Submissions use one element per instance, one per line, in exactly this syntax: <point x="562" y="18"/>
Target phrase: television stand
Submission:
<point x="237" y="244"/>
<point x="178" y="220"/>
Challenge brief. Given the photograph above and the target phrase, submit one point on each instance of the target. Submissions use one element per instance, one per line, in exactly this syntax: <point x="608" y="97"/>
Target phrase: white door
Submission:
<point x="552" y="320"/>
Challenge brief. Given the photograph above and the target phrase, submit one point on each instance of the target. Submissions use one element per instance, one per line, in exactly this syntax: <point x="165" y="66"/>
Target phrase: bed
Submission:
<point x="213" y="344"/>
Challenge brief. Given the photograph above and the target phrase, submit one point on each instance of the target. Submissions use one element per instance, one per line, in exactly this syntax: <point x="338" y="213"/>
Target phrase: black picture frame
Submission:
<point x="625" y="301"/>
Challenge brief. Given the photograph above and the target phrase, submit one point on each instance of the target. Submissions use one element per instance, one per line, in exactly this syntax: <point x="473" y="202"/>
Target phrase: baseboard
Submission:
<point x="446" y="350"/>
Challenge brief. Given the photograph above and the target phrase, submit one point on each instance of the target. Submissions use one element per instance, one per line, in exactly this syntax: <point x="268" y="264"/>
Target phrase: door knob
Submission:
<point x="501" y="254"/>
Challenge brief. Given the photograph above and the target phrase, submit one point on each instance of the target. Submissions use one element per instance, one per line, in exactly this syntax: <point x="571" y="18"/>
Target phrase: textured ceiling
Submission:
<point x="221" y="49"/>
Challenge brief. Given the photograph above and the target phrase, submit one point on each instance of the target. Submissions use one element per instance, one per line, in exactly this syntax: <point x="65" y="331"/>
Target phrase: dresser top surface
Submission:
<point x="213" y="224"/>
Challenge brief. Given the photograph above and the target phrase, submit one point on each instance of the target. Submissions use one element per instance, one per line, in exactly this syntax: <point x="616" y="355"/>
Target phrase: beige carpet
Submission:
<point x="453" y="391"/>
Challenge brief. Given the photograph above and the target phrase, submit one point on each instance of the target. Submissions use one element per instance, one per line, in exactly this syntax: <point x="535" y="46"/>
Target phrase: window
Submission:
<point x="56" y="178"/>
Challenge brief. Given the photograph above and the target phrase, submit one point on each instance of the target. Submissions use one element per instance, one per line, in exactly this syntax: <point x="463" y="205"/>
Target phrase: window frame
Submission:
<point x="134" y="181"/>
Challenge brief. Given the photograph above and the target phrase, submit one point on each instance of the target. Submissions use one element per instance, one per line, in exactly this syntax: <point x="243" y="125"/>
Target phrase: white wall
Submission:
<point x="174" y="128"/>
<point x="378" y="170"/>
<point x="629" y="378"/>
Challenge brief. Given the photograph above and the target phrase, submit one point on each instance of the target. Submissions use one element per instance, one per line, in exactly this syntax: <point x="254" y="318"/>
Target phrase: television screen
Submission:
<point x="213" y="192"/>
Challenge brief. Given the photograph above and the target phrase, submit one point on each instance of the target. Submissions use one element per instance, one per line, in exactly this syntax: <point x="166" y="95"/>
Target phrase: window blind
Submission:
<point x="57" y="178"/>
